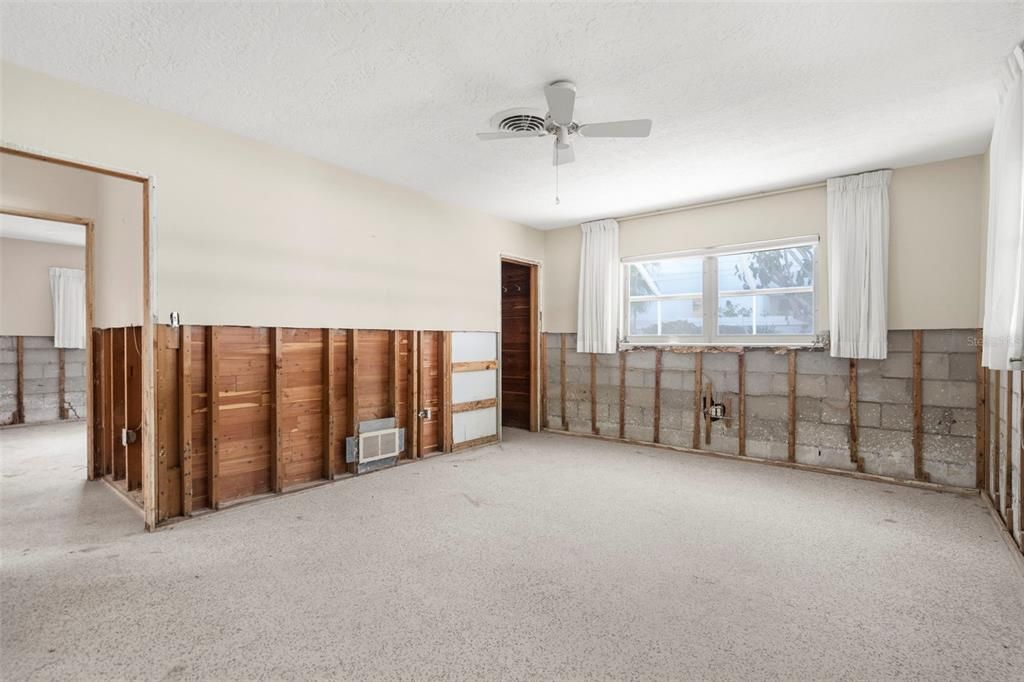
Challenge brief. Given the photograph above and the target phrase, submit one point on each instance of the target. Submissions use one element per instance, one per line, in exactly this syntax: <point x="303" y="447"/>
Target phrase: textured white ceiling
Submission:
<point x="744" y="97"/>
<point x="35" y="230"/>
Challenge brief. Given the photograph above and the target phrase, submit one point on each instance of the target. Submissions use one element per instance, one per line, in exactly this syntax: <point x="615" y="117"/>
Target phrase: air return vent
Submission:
<point x="519" y="121"/>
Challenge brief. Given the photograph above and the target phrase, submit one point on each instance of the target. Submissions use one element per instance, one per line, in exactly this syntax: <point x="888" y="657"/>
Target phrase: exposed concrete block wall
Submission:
<point x="885" y="403"/>
<point x="41" y="381"/>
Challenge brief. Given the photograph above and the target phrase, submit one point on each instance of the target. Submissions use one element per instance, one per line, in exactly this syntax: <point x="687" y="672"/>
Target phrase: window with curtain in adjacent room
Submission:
<point x="742" y="294"/>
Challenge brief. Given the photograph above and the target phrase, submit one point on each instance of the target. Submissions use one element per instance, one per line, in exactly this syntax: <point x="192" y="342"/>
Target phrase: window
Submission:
<point x="743" y="294"/>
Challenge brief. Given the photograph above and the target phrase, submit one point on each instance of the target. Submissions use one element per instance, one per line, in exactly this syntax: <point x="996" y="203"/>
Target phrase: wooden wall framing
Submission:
<point x="250" y="411"/>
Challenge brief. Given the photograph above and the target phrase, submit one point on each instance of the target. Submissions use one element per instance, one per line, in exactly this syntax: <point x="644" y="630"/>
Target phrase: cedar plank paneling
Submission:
<point x="302" y="405"/>
<point x="244" y="416"/>
<point x="373" y="389"/>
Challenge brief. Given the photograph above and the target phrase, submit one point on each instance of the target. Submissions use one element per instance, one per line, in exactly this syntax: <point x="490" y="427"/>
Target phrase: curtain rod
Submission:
<point x="718" y="202"/>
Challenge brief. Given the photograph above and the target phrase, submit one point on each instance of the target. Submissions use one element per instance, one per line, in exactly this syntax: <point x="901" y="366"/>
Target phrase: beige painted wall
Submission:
<point x="26" y="308"/>
<point x="116" y="208"/>
<point x="935" y="244"/>
<point x="250" y="234"/>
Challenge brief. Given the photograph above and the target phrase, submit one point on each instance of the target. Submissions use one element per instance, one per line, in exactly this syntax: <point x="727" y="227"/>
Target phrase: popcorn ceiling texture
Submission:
<point x="885" y="403"/>
<point x="744" y="97"/>
<point x="42" y="380"/>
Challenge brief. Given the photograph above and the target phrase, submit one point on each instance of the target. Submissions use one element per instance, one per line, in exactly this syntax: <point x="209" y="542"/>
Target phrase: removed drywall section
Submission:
<point x="250" y="234"/>
<point x="26" y="304"/>
<point x="42" y="399"/>
<point x="802" y="418"/>
<point x="935" y="244"/>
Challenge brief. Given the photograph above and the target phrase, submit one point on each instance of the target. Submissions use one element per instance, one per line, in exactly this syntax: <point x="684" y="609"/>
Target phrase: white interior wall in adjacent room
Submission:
<point x="26" y="307"/>
<point x="250" y="234"/>
<point x="935" y="244"/>
<point x="115" y="206"/>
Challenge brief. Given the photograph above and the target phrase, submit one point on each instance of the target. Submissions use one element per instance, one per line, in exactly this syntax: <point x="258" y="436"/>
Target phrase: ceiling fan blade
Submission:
<point x="508" y="135"/>
<point x="637" y="128"/>
<point x="563" y="156"/>
<point x="561" y="102"/>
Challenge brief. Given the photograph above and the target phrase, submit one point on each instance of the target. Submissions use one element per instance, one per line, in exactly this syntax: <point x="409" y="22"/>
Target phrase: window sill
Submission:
<point x="676" y="347"/>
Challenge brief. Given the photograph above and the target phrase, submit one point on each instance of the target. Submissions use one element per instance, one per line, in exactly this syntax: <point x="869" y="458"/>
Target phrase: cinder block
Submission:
<point x="886" y="442"/>
<point x="9" y="372"/>
<point x="882" y="390"/>
<point x="949" y="421"/>
<point x="816" y="362"/>
<point x="38" y="343"/>
<point x="901" y="365"/>
<point x="758" y="383"/>
<point x="949" y="341"/>
<point x="722" y="381"/>
<point x="640" y="359"/>
<point x="9" y="357"/>
<point x="766" y="361"/>
<point x="835" y="436"/>
<point x="900" y="341"/>
<point x="837" y="388"/>
<point x="41" y="356"/>
<point x="723" y="443"/>
<point x="897" y="417"/>
<point x="678" y="361"/>
<point x="608" y="429"/>
<point x="950" y="474"/>
<point x="949" y="393"/>
<point x="8" y="343"/>
<point x="672" y="380"/>
<point x="678" y="437"/>
<point x="811" y="385"/>
<point x="963" y="367"/>
<point x="808" y="409"/>
<point x="951" y="449"/>
<point x="896" y="464"/>
<point x="831" y="458"/>
<point x="835" y="412"/>
<point x="609" y="360"/>
<point x="74" y="369"/>
<point x="638" y="433"/>
<point x="574" y="359"/>
<point x="869" y="415"/>
<point x="768" y="430"/>
<point x="724" y="362"/>
<point x="767" y="407"/>
<point x="553" y="342"/>
<point x="767" y="449"/>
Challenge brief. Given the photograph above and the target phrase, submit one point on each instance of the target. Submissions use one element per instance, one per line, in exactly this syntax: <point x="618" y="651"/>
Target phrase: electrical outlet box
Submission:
<point x="424" y="413"/>
<point x="716" y="411"/>
<point x="128" y="436"/>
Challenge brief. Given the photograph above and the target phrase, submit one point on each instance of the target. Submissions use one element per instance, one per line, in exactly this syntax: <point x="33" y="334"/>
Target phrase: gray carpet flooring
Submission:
<point x="546" y="557"/>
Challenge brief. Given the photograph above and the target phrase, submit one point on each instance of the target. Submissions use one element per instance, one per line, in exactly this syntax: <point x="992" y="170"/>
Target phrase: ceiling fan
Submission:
<point x="561" y="97"/>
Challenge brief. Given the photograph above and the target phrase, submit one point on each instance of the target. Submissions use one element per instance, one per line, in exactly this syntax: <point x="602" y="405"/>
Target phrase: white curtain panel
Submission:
<point x="68" y="289"/>
<point x="597" y="320"/>
<point x="858" y="261"/>
<point x="1004" y="277"/>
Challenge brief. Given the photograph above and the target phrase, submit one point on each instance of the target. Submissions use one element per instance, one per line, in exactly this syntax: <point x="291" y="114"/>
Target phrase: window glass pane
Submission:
<point x="766" y="315"/>
<point x="638" y="286"/>
<point x="682" y="317"/>
<point x="785" y="314"/>
<point x="793" y="267"/>
<point x="736" y="315"/>
<point x="666" y="277"/>
<point x="643" y="318"/>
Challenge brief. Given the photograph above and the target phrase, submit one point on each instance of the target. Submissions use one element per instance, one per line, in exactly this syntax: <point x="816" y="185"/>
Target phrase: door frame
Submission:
<point x="148" y="436"/>
<point x="535" y="324"/>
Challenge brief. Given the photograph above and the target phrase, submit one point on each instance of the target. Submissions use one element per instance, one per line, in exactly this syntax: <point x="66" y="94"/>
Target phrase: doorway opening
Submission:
<point x="519" y="344"/>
